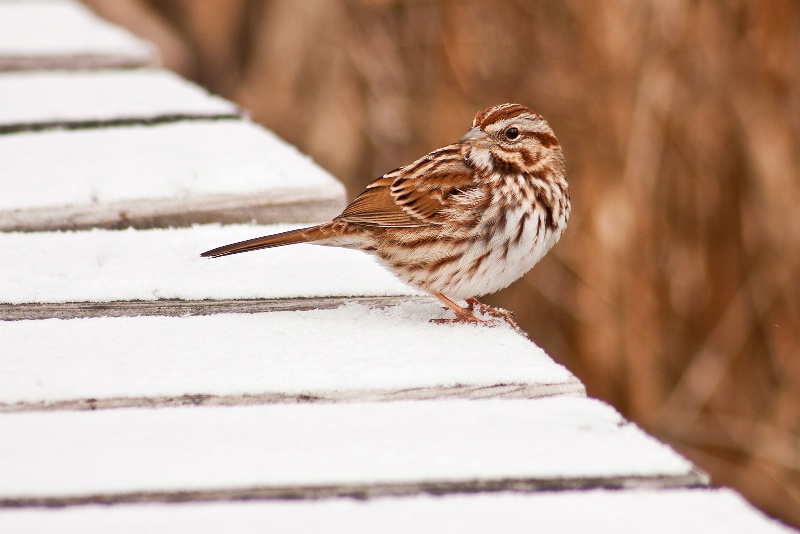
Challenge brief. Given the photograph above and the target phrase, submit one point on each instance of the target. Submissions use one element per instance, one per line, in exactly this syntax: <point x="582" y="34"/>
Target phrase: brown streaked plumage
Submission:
<point x="464" y="221"/>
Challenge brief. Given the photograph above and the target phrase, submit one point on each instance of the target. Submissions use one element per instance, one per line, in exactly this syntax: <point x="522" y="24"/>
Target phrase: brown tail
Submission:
<point x="301" y="235"/>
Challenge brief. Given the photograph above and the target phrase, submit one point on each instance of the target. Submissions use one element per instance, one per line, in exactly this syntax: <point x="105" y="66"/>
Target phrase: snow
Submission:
<point x="322" y="352"/>
<point x="62" y="29"/>
<point x="172" y="161"/>
<point x="63" y="97"/>
<point x="118" y="265"/>
<point x="613" y="512"/>
<point x="105" y="452"/>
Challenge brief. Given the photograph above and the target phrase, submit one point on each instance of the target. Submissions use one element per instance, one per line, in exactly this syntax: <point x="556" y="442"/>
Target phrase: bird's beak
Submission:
<point x="476" y="137"/>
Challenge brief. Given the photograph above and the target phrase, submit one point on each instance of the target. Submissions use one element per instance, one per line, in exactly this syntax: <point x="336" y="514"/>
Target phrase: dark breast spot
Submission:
<point x="542" y="200"/>
<point x="547" y="209"/>
<point x="501" y="221"/>
<point x="520" y="229"/>
<point x="478" y="263"/>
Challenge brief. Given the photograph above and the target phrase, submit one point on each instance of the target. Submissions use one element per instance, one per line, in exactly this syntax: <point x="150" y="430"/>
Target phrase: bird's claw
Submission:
<point x="468" y="315"/>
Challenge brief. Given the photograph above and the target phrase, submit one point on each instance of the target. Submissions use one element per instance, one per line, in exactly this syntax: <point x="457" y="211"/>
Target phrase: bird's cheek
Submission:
<point x="480" y="159"/>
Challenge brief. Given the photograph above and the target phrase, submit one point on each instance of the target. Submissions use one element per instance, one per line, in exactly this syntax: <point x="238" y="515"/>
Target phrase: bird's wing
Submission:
<point x="403" y="199"/>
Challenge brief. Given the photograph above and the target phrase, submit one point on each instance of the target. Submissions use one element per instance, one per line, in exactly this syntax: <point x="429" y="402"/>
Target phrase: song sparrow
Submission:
<point x="465" y="220"/>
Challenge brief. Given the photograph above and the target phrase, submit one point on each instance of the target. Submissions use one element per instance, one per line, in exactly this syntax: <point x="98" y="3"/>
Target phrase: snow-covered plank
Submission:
<point x="322" y="450"/>
<point x="164" y="175"/>
<point x="36" y="100"/>
<point x="63" y="34"/>
<point x="602" y="512"/>
<point x="351" y="353"/>
<point x="160" y="271"/>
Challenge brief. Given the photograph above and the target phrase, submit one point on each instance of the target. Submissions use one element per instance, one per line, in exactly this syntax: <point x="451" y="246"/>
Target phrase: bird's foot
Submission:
<point x="474" y="305"/>
<point x="467" y="315"/>
<point x="463" y="315"/>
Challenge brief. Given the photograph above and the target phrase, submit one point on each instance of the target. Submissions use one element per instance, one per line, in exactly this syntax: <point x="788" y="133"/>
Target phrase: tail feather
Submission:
<point x="301" y="235"/>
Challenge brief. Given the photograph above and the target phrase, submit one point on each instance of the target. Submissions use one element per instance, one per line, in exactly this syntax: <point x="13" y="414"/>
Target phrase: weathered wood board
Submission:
<point x="160" y="272"/>
<point x="41" y="100"/>
<point x="353" y="353"/>
<point x="317" y="450"/>
<point x="172" y="174"/>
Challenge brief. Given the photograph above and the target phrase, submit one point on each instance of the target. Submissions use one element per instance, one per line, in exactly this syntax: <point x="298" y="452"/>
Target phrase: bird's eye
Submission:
<point x="512" y="133"/>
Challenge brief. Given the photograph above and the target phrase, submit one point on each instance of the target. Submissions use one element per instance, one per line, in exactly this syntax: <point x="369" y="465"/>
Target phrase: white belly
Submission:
<point x="486" y="266"/>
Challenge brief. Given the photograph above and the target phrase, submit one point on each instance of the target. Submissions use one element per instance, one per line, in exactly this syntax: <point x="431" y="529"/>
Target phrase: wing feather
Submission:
<point x="399" y="200"/>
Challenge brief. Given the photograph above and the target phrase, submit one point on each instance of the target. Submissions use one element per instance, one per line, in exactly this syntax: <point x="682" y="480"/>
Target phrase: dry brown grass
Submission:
<point x="674" y="293"/>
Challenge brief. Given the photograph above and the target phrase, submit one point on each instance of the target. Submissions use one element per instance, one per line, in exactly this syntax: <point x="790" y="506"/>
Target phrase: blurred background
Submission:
<point x="674" y="293"/>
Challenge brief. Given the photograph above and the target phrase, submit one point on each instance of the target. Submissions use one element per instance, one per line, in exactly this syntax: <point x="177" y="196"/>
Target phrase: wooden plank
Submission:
<point x="38" y="100"/>
<point x="287" y="451"/>
<point x="160" y="271"/>
<point x="265" y="207"/>
<point x="651" y="511"/>
<point x="355" y="353"/>
<point x="62" y="34"/>
<point x="166" y="175"/>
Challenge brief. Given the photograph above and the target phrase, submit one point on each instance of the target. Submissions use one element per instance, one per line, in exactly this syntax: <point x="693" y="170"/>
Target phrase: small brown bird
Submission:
<point x="464" y="221"/>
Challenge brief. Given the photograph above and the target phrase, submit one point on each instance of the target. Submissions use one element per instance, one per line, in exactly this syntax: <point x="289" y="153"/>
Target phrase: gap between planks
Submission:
<point x="501" y="391"/>
<point x="297" y="206"/>
<point x="693" y="479"/>
<point x="180" y="308"/>
<point x="28" y="127"/>
<point x="99" y="61"/>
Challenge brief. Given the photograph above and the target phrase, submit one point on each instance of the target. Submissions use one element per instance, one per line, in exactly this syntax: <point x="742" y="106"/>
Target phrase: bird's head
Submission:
<point x="510" y="139"/>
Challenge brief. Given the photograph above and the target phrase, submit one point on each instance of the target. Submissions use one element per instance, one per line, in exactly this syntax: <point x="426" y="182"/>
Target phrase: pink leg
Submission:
<point x="463" y="315"/>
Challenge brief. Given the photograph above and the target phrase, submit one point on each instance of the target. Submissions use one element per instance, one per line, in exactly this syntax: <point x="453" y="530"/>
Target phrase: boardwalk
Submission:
<point x="302" y="389"/>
